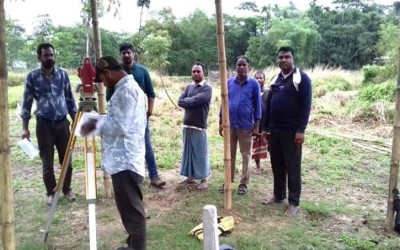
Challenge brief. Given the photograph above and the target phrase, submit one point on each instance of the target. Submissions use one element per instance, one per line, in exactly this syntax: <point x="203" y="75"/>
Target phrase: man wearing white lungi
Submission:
<point x="196" y="100"/>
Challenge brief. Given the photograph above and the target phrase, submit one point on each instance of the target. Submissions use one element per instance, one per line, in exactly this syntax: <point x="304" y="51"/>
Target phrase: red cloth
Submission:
<point x="260" y="148"/>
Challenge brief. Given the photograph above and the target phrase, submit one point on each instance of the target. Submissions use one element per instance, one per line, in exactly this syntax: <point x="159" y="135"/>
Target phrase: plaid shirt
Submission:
<point x="244" y="103"/>
<point x="53" y="95"/>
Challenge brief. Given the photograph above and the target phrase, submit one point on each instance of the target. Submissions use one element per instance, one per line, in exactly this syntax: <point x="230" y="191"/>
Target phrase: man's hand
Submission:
<point x="267" y="137"/>
<point x="26" y="134"/>
<point x="220" y="130"/>
<point x="73" y="117"/>
<point x="299" y="138"/>
<point x="88" y="127"/>
<point x="255" y="129"/>
<point x="265" y="134"/>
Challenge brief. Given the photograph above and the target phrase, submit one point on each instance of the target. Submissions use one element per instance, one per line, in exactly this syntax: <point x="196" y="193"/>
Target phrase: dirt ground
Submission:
<point x="354" y="193"/>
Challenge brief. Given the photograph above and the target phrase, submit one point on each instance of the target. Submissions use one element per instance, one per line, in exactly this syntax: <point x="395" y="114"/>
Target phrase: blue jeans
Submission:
<point x="150" y="158"/>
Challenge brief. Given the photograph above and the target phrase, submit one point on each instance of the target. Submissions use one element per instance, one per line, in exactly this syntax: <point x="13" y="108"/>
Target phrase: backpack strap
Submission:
<point x="296" y="79"/>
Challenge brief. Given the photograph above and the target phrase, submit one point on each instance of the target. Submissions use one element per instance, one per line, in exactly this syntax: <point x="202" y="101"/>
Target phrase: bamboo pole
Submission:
<point x="225" y="105"/>
<point x="395" y="159"/>
<point x="101" y="91"/>
<point x="7" y="231"/>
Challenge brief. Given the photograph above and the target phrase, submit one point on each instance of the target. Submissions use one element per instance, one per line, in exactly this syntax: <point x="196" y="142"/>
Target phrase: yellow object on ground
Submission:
<point x="225" y="224"/>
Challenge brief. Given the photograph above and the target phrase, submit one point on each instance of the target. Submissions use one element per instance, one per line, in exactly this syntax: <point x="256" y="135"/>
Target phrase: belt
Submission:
<point x="51" y="121"/>
<point x="194" y="127"/>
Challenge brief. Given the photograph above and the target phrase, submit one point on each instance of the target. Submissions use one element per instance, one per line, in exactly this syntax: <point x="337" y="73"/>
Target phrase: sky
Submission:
<point x="67" y="12"/>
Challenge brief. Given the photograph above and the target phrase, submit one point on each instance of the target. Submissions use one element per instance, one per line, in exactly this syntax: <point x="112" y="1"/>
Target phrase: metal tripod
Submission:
<point x="90" y="177"/>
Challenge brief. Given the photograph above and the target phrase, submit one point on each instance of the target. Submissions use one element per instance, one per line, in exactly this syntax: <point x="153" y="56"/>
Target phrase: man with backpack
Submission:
<point x="287" y="114"/>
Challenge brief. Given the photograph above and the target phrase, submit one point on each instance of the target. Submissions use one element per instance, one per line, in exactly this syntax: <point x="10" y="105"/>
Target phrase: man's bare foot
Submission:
<point x="189" y="180"/>
<point x="203" y="185"/>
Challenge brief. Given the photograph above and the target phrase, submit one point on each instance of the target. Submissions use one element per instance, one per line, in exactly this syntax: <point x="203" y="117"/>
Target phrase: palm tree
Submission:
<point x="142" y="4"/>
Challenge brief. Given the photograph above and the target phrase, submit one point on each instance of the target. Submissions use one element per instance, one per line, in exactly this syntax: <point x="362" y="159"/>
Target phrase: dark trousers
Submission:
<point x="50" y="135"/>
<point x="129" y="201"/>
<point x="286" y="161"/>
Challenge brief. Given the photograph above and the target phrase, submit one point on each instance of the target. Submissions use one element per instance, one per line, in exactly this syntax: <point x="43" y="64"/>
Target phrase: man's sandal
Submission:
<point x="242" y="189"/>
<point x="221" y="189"/>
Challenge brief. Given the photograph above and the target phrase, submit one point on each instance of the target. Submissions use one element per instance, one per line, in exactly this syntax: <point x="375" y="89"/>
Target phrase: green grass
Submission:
<point x="343" y="199"/>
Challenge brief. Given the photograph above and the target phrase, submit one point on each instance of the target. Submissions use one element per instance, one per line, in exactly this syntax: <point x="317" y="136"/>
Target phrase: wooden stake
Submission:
<point x="225" y="105"/>
<point x="101" y="93"/>
<point x="7" y="231"/>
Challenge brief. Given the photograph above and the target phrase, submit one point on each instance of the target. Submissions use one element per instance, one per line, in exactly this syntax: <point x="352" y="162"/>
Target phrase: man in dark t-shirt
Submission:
<point x="195" y="99"/>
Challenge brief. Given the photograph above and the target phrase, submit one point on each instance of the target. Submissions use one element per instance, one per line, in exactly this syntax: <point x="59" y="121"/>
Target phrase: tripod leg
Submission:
<point x="64" y="169"/>
<point x="90" y="170"/>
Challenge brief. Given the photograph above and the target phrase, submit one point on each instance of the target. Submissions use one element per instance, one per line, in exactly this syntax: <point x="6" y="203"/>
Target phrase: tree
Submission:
<point x="156" y="49"/>
<point x="70" y="44"/>
<point x="349" y="36"/>
<point x="250" y="6"/>
<point x="142" y="4"/>
<point x="300" y="34"/>
<point x="237" y="34"/>
<point x="388" y="41"/>
<point x="197" y="41"/>
<point x="15" y="42"/>
<point x="43" y="29"/>
<point x="7" y="232"/>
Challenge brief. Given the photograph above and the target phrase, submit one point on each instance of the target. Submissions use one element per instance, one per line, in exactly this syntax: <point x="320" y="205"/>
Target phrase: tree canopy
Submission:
<point x="350" y="34"/>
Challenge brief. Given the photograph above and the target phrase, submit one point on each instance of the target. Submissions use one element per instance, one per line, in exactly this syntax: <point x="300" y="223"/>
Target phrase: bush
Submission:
<point x="15" y="96"/>
<point x="374" y="74"/>
<point x="374" y="102"/>
<point x="15" y="79"/>
<point x="378" y="92"/>
<point x="328" y="84"/>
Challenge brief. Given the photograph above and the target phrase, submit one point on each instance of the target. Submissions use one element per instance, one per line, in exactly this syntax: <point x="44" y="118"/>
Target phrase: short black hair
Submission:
<point x="126" y="46"/>
<point x="259" y="73"/>
<point x="199" y="64"/>
<point x="106" y="62"/>
<point x="43" y="46"/>
<point x="242" y="57"/>
<point x="286" y="49"/>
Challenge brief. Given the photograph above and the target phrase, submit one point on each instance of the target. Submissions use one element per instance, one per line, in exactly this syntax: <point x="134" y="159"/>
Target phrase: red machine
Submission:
<point x="87" y="87"/>
<point x="87" y="73"/>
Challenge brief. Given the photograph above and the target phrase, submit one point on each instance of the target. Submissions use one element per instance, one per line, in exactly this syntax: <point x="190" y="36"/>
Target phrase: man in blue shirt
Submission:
<point x="244" y="116"/>
<point x="50" y="87"/>
<point x="287" y="114"/>
<point x="122" y="136"/>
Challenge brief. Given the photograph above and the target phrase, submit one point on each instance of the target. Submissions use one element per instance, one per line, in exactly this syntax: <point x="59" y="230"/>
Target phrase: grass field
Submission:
<point x="343" y="205"/>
